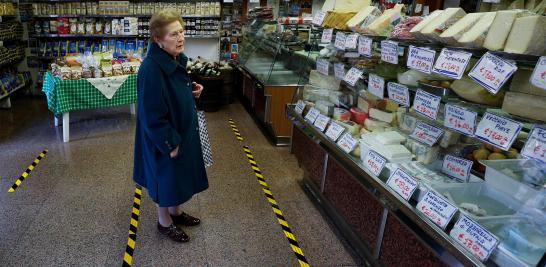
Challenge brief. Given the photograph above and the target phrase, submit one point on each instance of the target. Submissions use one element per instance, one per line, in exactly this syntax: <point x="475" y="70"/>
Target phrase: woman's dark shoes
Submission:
<point x="174" y="233"/>
<point x="185" y="219"/>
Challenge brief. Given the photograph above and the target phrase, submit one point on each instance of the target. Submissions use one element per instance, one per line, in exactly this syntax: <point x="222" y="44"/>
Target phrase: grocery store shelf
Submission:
<point x="116" y="16"/>
<point x="82" y="36"/>
<point x="10" y="63"/>
<point x="13" y="91"/>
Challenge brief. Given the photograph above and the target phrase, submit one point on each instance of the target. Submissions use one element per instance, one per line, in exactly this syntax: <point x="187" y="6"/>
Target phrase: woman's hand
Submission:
<point x="197" y="89"/>
<point x="174" y="153"/>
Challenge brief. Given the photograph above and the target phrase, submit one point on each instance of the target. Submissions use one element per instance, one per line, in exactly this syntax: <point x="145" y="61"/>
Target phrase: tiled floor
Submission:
<point x="74" y="208"/>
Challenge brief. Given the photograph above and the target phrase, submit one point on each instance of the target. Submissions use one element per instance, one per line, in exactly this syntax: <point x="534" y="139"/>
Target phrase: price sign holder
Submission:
<point x="352" y="76"/>
<point x="421" y="59"/>
<point x="389" y="52"/>
<point x="491" y="72"/>
<point x="341" y="38"/>
<point x="460" y="119"/>
<point x="402" y="183"/>
<point x="365" y="46"/>
<point x="339" y="70"/>
<point x="352" y="41"/>
<point x="376" y="85"/>
<point x="438" y="209"/>
<point x="465" y="232"/>
<point x="300" y="106"/>
<point x="452" y="63"/>
<point x="374" y="162"/>
<point x="538" y="78"/>
<point x="456" y="167"/>
<point x="498" y="131"/>
<point x="535" y="147"/>
<point x="327" y="36"/>
<point x="399" y="93"/>
<point x="323" y="66"/>
<point x="334" y="131"/>
<point x="312" y="115"/>
<point x="426" y="104"/>
<point x="426" y="134"/>
<point x="321" y="122"/>
<point x="347" y="143"/>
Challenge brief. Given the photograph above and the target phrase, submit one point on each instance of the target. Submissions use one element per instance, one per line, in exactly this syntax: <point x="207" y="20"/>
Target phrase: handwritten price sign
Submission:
<point x="498" y="131"/>
<point x="300" y="106"/>
<point x="351" y="41"/>
<point x="389" y="52"/>
<point x="474" y="237"/>
<point x="426" y="134"/>
<point x="340" y="41"/>
<point x="492" y="72"/>
<point x="421" y="59"/>
<point x="339" y="70"/>
<point x="402" y="183"/>
<point x="347" y="143"/>
<point x="426" y="104"/>
<point x="327" y="35"/>
<point x="399" y="93"/>
<point x="535" y="147"/>
<point x="376" y="85"/>
<point x="457" y="167"/>
<point x="452" y="63"/>
<point x="538" y="78"/>
<point x="334" y="131"/>
<point x="436" y="208"/>
<point x="312" y="115"/>
<point x="319" y="18"/>
<point x="322" y="66"/>
<point x="365" y="46"/>
<point x="352" y="76"/>
<point x="321" y="122"/>
<point x="460" y="119"/>
<point x="374" y="162"/>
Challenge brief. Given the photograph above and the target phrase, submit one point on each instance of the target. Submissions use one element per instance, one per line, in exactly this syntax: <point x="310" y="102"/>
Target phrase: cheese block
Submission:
<point x="521" y="83"/>
<point x="351" y="5"/>
<point x="449" y="138"/>
<point x="375" y="125"/>
<point x="358" y="116"/>
<point x="416" y="30"/>
<point x="530" y="4"/>
<point x="363" y="104"/>
<point x="524" y="105"/>
<point x="328" y="5"/>
<point x="319" y="80"/>
<point x="437" y="26"/>
<point x="498" y="33"/>
<point x="528" y="36"/>
<point x="476" y="35"/>
<point x="395" y="153"/>
<point x="341" y="114"/>
<point x="380" y="115"/>
<point x="358" y="19"/>
<point x="453" y="33"/>
<point x="384" y="24"/>
<point x="390" y="138"/>
<point x="337" y="20"/>
<point x="517" y="4"/>
<point x="351" y="127"/>
<point x="326" y="108"/>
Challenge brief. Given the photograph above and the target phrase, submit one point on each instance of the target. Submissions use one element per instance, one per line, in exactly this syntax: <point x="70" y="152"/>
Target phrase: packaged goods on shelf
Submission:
<point x="203" y="68"/>
<point x="95" y="65"/>
<point x="528" y="36"/>
<point x="7" y="9"/>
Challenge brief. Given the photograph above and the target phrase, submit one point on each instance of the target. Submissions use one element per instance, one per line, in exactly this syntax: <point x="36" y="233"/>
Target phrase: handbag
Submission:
<point x="204" y="136"/>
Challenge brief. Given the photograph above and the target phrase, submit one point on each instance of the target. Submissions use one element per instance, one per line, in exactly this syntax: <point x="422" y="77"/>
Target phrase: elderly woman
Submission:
<point x="168" y="156"/>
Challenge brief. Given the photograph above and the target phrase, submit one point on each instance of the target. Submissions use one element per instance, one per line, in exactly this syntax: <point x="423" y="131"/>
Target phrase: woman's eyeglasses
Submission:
<point x="177" y="34"/>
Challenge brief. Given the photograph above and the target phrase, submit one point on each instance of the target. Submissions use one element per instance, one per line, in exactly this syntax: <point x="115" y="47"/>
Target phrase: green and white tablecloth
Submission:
<point x="68" y="95"/>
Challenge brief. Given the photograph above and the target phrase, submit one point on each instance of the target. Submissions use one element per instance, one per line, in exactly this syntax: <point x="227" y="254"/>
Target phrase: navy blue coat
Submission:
<point x="167" y="118"/>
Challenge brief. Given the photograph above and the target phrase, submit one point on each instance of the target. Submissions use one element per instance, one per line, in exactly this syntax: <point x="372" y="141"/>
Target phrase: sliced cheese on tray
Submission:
<point x="437" y="26"/>
<point x="476" y="35"/>
<point x="362" y="15"/>
<point x="416" y="30"/>
<point x="528" y="36"/>
<point x="498" y="33"/>
<point x="454" y="33"/>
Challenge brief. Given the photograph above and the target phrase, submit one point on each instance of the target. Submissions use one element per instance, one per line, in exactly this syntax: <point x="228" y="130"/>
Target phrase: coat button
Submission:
<point x="188" y="84"/>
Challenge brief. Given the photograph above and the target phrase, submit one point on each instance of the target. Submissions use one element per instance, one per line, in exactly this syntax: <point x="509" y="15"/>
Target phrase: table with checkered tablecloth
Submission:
<point x="64" y="96"/>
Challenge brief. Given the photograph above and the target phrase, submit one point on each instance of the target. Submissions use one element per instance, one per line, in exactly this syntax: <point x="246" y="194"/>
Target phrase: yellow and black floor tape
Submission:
<point x="235" y="130"/>
<point x="271" y="199"/>
<point x="133" y="227"/>
<point x="27" y="172"/>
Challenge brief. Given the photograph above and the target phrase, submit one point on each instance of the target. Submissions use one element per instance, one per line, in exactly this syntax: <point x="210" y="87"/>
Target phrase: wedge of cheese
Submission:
<point x="528" y="36"/>
<point x="476" y="35"/>
<point x="337" y="20"/>
<point x="454" y="33"/>
<point x="351" y="5"/>
<point x="416" y="30"/>
<point x="384" y="24"/>
<point x="369" y="13"/>
<point x="437" y="26"/>
<point x="496" y="37"/>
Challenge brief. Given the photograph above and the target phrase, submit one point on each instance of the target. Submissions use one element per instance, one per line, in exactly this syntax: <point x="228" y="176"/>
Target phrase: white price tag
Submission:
<point x="535" y="147"/>
<point x="374" y="162"/>
<point x="347" y="143"/>
<point x="339" y="70"/>
<point x="473" y="237"/>
<point x="452" y="63"/>
<point x="421" y="59"/>
<point x="322" y="66"/>
<point x="436" y="208"/>
<point x="426" y="134"/>
<point x="426" y="104"/>
<point x="352" y="76"/>
<point x="312" y="115"/>
<point x="300" y="106"/>
<point x="340" y="41"/>
<point x="321" y="122"/>
<point x="389" y="52"/>
<point x="365" y="46"/>
<point x="457" y="167"/>
<point x="319" y="18"/>
<point x="403" y="183"/>
<point x="327" y="35"/>
<point x="351" y="41"/>
<point x="399" y="93"/>
<point x="492" y="72"/>
<point x="538" y="78"/>
<point x="376" y="85"/>
<point x="334" y="131"/>
<point x="498" y="131"/>
<point x="460" y="119"/>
